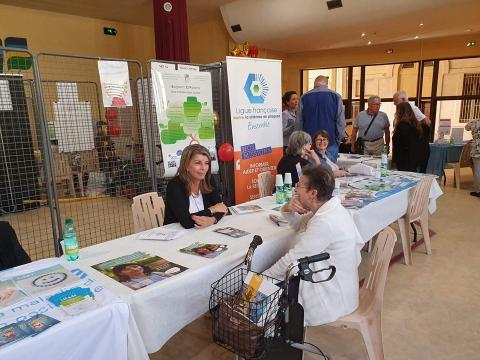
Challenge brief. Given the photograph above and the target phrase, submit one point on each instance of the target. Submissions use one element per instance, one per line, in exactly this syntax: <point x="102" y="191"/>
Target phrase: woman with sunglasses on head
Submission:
<point x="321" y="140"/>
<point x="192" y="197"/>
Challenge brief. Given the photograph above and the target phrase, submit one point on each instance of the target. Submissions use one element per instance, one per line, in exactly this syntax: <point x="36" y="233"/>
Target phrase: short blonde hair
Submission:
<point x="297" y="141"/>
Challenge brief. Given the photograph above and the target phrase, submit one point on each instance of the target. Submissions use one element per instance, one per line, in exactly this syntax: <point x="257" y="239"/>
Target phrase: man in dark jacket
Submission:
<point x="11" y="252"/>
<point x="322" y="109"/>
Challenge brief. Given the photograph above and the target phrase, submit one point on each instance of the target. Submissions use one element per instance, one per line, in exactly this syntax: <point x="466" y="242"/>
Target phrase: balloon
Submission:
<point x="246" y="48"/>
<point x="235" y="51"/>
<point x="216" y="120"/>
<point x="225" y="152"/>
<point x="111" y="114"/>
<point x="253" y="51"/>
<point x="114" y="130"/>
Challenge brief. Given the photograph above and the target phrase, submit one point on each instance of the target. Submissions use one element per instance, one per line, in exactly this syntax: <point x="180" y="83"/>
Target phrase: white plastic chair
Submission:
<point x="367" y="319"/>
<point x="265" y="184"/>
<point x="417" y="211"/>
<point x="148" y="211"/>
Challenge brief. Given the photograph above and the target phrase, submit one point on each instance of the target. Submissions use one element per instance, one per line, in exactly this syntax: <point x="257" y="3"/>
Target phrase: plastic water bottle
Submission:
<point x="287" y="187"/>
<point x="279" y="198"/>
<point x="384" y="162"/>
<point x="70" y="240"/>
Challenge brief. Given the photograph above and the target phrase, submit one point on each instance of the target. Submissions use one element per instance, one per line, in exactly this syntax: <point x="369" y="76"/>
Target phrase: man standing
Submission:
<point x="371" y="125"/>
<point x="474" y="127"/>
<point x="401" y="96"/>
<point x="322" y="109"/>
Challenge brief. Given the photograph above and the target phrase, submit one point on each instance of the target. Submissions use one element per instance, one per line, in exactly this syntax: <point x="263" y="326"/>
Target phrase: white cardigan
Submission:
<point x="331" y="229"/>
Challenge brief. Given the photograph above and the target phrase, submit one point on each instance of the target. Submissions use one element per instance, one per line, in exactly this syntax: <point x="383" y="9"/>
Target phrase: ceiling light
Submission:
<point x="469" y="30"/>
<point x="389" y="51"/>
<point x="369" y="43"/>
<point x="421" y="24"/>
<point x="363" y="34"/>
<point x="416" y="37"/>
<point x="471" y="43"/>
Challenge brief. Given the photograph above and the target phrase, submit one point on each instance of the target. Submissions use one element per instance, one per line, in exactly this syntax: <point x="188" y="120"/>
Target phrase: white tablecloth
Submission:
<point x="164" y="308"/>
<point x="101" y="333"/>
<point x="344" y="161"/>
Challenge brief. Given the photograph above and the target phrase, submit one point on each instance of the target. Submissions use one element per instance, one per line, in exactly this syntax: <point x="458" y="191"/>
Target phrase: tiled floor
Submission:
<point x="430" y="308"/>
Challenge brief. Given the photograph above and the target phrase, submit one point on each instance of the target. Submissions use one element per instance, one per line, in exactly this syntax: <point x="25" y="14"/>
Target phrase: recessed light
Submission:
<point x="389" y="51"/>
<point x="369" y="43"/>
<point x="469" y="30"/>
<point x="471" y="43"/>
<point x="421" y="24"/>
<point x="363" y="34"/>
<point x="416" y="37"/>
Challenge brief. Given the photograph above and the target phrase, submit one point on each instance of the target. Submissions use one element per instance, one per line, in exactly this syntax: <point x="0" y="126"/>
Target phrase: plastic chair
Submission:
<point x="464" y="161"/>
<point x="63" y="170"/>
<point x="367" y="319"/>
<point x="417" y="211"/>
<point x="88" y="164"/>
<point x="148" y="211"/>
<point x="265" y="184"/>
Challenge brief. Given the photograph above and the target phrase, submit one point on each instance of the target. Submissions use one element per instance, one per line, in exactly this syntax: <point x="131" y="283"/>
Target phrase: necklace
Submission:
<point x="195" y="197"/>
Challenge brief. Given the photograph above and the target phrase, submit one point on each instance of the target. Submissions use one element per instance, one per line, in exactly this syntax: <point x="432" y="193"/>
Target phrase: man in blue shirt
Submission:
<point x="322" y="109"/>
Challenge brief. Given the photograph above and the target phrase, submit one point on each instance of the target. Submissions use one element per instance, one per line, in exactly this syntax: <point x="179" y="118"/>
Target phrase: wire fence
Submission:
<point x="65" y="153"/>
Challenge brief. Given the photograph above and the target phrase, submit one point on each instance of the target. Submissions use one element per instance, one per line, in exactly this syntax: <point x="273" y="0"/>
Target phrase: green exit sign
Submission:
<point x="110" y="31"/>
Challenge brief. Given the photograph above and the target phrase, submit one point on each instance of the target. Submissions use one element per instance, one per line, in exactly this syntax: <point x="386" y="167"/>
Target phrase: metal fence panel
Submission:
<point x="25" y="198"/>
<point x="97" y="155"/>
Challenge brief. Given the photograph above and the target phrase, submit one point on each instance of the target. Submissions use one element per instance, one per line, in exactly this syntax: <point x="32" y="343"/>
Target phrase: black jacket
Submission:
<point x="288" y="163"/>
<point x="177" y="204"/>
<point x="11" y="252"/>
<point x="407" y="147"/>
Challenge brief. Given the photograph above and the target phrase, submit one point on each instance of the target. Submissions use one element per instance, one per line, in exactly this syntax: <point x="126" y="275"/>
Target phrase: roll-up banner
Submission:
<point x="254" y="87"/>
<point x="184" y="110"/>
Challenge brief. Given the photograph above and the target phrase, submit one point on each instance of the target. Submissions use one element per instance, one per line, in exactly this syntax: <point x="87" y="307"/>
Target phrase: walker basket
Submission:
<point x="241" y="326"/>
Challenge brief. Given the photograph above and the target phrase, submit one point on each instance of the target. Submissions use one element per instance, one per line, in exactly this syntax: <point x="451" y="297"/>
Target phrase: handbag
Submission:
<point x="360" y="143"/>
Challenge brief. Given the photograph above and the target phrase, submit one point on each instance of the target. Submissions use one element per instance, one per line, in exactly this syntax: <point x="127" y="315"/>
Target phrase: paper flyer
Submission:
<point x="205" y="250"/>
<point x="115" y="83"/>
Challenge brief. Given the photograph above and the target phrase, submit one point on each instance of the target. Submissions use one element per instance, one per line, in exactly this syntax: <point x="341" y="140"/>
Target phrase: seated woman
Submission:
<point x="407" y="139"/>
<point x="322" y="225"/>
<point x="192" y="198"/>
<point x="299" y="153"/>
<point x="321" y="140"/>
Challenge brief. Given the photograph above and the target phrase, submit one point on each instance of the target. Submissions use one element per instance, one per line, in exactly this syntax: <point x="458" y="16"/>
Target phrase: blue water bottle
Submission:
<point x="70" y="241"/>
<point x="287" y="187"/>
<point x="384" y="162"/>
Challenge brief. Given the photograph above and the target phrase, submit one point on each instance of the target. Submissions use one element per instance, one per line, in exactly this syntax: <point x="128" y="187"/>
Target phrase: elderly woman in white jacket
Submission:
<point x="322" y="225"/>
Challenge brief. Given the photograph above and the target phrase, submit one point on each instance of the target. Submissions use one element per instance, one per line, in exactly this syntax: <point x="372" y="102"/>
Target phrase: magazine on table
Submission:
<point x="45" y="279"/>
<point x="25" y="328"/>
<point x="139" y="269"/>
<point x="244" y="209"/>
<point x="205" y="250"/>
<point x="161" y="234"/>
<point x="231" y="231"/>
<point x="10" y="294"/>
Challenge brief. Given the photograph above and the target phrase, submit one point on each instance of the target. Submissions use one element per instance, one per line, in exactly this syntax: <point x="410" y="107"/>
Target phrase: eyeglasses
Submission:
<point x="297" y="185"/>
<point x="321" y="140"/>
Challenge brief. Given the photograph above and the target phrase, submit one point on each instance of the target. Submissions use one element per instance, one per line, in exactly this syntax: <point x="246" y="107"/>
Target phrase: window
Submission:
<point x="470" y="109"/>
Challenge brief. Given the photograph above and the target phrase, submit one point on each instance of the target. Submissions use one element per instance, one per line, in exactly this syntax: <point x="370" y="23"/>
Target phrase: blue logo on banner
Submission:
<point x="256" y="88"/>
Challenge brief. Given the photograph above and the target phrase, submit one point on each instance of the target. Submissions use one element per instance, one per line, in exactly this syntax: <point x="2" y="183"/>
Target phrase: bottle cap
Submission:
<point x="288" y="178"/>
<point x="279" y="180"/>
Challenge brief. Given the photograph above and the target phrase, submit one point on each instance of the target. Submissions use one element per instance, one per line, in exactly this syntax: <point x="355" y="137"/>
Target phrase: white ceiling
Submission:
<point x="297" y="25"/>
<point x="304" y="25"/>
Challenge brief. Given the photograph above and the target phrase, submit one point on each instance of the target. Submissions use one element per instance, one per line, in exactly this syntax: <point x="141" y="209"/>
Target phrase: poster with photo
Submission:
<point x="184" y="111"/>
<point x="115" y="83"/>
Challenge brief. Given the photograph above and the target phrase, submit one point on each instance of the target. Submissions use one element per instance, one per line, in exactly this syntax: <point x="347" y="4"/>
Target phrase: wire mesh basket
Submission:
<point x="238" y="325"/>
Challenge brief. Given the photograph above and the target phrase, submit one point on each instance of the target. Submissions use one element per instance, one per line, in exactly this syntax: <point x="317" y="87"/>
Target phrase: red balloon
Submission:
<point x="111" y="114"/>
<point x="114" y="130"/>
<point x="253" y="51"/>
<point x="225" y="152"/>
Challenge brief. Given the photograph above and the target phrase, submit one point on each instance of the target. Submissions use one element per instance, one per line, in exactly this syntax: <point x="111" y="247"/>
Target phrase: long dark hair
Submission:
<point x="187" y="154"/>
<point x="405" y="113"/>
<point x="287" y="96"/>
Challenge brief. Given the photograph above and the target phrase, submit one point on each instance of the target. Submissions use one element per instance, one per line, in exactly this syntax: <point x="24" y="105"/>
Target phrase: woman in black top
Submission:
<point x="192" y="198"/>
<point x="407" y="139"/>
<point x="299" y="151"/>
